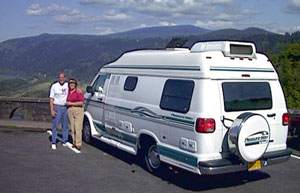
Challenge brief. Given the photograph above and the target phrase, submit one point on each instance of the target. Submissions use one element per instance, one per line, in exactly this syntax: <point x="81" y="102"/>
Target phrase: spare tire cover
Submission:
<point x="249" y="136"/>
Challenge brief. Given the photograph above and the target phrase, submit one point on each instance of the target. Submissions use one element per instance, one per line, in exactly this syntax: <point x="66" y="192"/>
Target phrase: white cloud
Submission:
<point x="34" y="9"/>
<point x="166" y="23"/>
<point x="211" y="12"/>
<point x="235" y="13"/>
<point x="103" y="30"/>
<point x="283" y="30"/>
<point x="218" y="24"/>
<point x="113" y="16"/>
<point x="161" y="8"/>
<point x="67" y="16"/>
<point x="293" y="7"/>
<point x="98" y="2"/>
<point x="53" y="9"/>
<point x="71" y="18"/>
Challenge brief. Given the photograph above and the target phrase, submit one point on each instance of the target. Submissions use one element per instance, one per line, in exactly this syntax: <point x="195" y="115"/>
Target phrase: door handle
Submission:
<point x="271" y="115"/>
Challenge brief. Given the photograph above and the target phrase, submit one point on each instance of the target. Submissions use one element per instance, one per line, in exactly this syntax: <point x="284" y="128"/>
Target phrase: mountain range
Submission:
<point x="81" y="56"/>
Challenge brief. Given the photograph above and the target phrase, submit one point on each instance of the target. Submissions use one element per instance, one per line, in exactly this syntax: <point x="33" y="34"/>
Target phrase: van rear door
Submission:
<point x="255" y="96"/>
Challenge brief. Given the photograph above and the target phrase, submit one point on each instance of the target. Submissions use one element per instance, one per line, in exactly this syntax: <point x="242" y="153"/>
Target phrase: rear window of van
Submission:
<point x="242" y="96"/>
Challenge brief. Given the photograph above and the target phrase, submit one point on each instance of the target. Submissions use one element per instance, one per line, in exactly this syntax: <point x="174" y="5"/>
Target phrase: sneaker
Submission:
<point x="53" y="146"/>
<point x="64" y="144"/>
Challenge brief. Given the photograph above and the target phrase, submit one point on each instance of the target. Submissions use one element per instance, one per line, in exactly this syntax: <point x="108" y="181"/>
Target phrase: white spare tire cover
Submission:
<point x="249" y="136"/>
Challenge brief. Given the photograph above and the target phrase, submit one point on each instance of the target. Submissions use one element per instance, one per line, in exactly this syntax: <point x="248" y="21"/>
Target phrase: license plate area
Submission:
<point x="254" y="165"/>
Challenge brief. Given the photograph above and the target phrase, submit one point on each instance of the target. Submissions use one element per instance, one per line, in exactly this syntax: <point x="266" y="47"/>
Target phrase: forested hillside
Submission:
<point x="287" y="63"/>
<point x="39" y="58"/>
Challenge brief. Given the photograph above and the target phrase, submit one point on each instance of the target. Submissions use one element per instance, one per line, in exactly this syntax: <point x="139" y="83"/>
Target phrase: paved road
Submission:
<point x="29" y="165"/>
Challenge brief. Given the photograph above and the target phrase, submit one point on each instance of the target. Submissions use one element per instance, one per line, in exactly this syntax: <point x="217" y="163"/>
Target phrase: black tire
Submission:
<point x="151" y="157"/>
<point x="86" y="132"/>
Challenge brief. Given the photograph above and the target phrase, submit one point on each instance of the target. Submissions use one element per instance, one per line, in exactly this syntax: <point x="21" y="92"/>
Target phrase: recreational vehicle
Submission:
<point x="217" y="107"/>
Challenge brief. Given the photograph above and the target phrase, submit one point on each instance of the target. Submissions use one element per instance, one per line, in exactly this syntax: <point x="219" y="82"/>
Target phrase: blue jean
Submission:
<point x="61" y="116"/>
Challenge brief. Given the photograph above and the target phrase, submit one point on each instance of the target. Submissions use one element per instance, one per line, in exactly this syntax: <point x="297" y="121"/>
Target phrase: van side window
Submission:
<point x="177" y="95"/>
<point x="130" y="83"/>
<point x="100" y="82"/>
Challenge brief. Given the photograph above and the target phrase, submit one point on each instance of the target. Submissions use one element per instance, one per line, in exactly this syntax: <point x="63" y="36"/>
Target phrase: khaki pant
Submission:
<point x="76" y="120"/>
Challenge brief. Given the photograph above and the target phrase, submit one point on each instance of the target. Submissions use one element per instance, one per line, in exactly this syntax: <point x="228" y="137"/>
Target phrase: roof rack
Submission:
<point x="176" y="43"/>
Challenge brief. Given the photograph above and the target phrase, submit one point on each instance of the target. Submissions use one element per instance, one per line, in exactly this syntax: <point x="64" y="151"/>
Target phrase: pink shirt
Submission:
<point x="75" y="96"/>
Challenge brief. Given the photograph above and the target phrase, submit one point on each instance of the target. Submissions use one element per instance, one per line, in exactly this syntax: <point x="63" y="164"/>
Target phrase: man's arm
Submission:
<point x="51" y="102"/>
<point x="52" y="111"/>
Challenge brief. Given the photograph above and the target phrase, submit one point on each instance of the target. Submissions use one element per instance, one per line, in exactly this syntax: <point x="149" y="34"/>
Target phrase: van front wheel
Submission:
<point x="151" y="157"/>
<point x="86" y="132"/>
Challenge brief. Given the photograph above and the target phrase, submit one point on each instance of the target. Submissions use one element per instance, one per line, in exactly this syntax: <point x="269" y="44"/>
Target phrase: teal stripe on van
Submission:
<point x="122" y="136"/>
<point x="242" y="69"/>
<point x="166" y="117"/>
<point x="128" y="110"/>
<point x="119" y="107"/>
<point x="99" y="126"/>
<point x="152" y="67"/>
<point x="179" y="156"/>
<point x="180" y="120"/>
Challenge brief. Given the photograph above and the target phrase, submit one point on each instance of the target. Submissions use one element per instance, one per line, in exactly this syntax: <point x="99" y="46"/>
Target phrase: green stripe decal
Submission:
<point x="242" y="69"/>
<point x="119" y="107"/>
<point x="179" y="156"/>
<point x="166" y="117"/>
<point x="129" y="138"/>
<point x="117" y="134"/>
<point x="180" y="120"/>
<point x="191" y="123"/>
<point x="91" y="100"/>
<point x="188" y="68"/>
<point x="99" y="126"/>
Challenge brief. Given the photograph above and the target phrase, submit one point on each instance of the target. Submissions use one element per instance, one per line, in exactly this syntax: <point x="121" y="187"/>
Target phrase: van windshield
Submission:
<point x="241" y="96"/>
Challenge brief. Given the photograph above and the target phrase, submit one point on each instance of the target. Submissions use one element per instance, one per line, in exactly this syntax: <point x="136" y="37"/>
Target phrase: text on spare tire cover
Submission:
<point x="257" y="138"/>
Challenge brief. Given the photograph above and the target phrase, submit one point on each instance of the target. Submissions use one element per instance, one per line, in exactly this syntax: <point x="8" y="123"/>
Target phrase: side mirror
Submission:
<point x="100" y="89"/>
<point x="89" y="89"/>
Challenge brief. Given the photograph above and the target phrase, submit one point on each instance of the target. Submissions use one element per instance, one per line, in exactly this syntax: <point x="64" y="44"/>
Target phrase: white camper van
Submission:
<point x="215" y="108"/>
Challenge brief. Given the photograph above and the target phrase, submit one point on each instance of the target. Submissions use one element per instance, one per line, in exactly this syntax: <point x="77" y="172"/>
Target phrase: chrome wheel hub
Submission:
<point x="153" y="157"/>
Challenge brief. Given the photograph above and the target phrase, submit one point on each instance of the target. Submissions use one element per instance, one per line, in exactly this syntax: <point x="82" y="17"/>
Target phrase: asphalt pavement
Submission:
<point x="29" y="165"/>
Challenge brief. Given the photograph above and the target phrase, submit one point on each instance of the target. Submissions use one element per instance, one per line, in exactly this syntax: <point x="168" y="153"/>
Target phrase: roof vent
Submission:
<point x="229" y="48"/>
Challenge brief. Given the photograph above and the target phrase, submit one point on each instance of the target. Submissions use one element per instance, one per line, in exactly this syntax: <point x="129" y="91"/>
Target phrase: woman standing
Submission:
<point x="75" y="101"/>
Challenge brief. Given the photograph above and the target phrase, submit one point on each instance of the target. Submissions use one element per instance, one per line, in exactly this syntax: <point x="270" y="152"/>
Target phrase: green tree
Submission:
<point x="287" y="63"/>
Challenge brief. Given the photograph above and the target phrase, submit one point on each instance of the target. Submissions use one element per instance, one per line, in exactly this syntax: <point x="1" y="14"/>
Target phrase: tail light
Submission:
<point x="285" y="119"/>
<point x="205" y="125"/>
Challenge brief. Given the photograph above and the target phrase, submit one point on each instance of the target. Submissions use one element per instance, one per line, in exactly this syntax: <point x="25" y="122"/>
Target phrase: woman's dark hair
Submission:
<point x="72" y="80"/>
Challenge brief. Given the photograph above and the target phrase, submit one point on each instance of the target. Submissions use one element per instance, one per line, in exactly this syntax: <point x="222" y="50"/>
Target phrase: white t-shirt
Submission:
<point x="59" y="93"/>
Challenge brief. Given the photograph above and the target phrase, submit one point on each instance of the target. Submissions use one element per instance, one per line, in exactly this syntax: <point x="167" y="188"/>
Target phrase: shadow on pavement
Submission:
<point x="184" y="179"/>
<point x="117" y="153"/>
<point x="193" y="182"/>
<point x="294" y="144"/>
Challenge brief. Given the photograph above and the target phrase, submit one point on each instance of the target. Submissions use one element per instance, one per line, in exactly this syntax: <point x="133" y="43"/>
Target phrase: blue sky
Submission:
<point x="21" y="18"/>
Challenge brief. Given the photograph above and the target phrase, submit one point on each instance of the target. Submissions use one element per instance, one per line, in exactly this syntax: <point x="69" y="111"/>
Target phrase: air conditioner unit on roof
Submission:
<point x="229" y="48"/>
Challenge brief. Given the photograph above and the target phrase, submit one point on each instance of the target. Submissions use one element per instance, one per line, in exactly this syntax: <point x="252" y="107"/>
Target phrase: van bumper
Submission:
<point x="233" y="164"/>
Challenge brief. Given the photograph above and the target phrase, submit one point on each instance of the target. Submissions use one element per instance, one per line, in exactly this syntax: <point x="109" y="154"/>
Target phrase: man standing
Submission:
<point x="59" y="112"/>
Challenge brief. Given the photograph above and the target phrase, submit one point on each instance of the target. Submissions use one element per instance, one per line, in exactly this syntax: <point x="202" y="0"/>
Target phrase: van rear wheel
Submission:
<point x="151" y="158"/>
